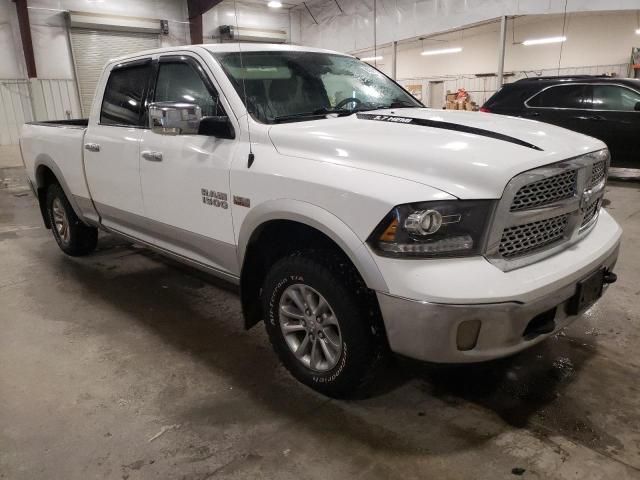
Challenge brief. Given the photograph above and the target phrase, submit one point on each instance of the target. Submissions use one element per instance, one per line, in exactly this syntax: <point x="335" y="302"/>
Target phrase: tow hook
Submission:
<point x="609" y="277"/>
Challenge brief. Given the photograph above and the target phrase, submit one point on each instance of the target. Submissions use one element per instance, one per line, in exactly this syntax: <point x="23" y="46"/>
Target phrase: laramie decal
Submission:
<point x="214" y="199"/>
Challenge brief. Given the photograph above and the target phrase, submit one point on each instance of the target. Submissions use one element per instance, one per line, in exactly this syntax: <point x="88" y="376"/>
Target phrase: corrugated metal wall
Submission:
<point x="49" y="99"/>
<point x="481" y="88"/>
<point x="15" y="109"/>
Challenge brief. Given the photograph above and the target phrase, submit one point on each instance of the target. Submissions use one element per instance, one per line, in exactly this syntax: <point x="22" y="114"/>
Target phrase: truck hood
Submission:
<point x="466" y="154"/>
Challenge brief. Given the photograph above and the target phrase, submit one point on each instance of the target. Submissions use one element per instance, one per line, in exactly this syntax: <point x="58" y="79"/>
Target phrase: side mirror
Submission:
<point x="637" y="107"/>
<point x="219" y="127"/>
<point x="174" y="118"/>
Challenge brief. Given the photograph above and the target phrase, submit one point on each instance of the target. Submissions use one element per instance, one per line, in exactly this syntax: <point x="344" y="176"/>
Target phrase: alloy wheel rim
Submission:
<point x="310" y="327"/>
<point x="61" y="222"/>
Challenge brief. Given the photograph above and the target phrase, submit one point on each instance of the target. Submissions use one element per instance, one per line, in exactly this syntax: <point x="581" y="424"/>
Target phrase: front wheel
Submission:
<point x="73" y="237"/>
<point x="321" y="320"/>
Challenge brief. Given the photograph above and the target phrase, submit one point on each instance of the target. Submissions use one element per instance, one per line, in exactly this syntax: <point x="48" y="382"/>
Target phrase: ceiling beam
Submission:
<point x="198" y="7"/>
<point x="25" y="35"/>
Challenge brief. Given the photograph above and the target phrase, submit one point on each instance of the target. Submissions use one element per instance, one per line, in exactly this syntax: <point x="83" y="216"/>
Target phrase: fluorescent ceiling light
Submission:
<point x="637" y="31"/>
<point x="274" y="4"/>
<point x="542" y="41"/>
<point x="442" y="51"/>
<point x="371" y="59"/>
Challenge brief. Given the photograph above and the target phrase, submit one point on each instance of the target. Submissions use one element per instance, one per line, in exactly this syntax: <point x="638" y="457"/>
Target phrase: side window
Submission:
<point x="180" y="82"/>
<point x="562" y="96"/>
<point x="124" y="94"/>
<point x="612" y="97"/>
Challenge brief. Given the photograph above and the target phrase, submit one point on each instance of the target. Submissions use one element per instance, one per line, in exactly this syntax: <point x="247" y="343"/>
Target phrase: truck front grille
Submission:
<point x="545" y="191"/>
<point x="545" y="210"/>
<point x="522" y="239"/>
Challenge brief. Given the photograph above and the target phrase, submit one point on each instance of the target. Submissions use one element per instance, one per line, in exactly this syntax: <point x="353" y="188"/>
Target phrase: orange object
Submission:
<point x="389" y="235"/>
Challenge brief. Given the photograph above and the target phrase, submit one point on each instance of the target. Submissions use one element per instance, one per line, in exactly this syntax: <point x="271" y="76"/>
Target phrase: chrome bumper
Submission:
<point x="434" y="332"/>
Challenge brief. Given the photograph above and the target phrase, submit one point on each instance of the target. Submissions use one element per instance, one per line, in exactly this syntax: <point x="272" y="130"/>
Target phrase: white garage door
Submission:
<point x="92" y="49"/>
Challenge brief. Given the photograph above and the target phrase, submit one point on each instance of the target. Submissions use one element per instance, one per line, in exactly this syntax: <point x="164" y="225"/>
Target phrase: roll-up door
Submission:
<point x="92" y="49"/>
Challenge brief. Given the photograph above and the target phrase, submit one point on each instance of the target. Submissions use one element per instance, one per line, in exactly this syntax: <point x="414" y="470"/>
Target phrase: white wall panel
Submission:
<point x="249" y="16"/>
<point x="406" y="19"/>
<point x="52" y="100"/>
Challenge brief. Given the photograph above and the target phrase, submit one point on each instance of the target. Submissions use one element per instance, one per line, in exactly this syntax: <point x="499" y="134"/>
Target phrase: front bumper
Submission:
<point x="505" y="309"/>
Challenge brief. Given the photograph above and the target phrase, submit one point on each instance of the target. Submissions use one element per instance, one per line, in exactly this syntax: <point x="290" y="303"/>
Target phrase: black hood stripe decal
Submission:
<point x="446" y="126"/>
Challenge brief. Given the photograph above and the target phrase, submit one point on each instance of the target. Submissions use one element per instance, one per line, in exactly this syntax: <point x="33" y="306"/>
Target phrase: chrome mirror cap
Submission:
<point x="174" y="118"/>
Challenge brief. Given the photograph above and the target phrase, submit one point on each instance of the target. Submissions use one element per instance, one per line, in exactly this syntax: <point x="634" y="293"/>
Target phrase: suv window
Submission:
<point x="562" y="96"/>
<point x="179" y="82"/>
<point x="123" y="96"/>
<point x="613" y="97"/>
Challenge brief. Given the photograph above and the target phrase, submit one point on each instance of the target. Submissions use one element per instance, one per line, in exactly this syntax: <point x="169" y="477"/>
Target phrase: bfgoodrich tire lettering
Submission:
<point x="330" y="276"/>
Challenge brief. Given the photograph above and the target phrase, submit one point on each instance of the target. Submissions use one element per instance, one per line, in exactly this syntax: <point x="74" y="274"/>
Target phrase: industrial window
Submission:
<point x="123" y="97"/>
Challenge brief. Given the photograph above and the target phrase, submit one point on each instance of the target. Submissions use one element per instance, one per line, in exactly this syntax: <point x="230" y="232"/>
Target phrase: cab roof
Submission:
<point x="230" y="47"/>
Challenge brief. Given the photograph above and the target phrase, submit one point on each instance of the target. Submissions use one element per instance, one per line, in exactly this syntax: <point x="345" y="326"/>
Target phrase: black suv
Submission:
<point x="603" y="107"/>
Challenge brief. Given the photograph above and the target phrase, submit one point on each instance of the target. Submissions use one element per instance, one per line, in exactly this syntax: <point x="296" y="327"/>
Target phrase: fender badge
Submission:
<point x="242" y="201"/>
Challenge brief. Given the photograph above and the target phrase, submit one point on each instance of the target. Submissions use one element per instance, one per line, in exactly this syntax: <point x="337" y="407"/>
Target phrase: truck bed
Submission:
<point x="57" y="149"/>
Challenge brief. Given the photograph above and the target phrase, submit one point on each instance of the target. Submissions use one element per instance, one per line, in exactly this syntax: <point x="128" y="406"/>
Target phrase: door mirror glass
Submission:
<point x="219" y="127"/>
<point x="174" y="118"/>
<point x="637" y="107"/>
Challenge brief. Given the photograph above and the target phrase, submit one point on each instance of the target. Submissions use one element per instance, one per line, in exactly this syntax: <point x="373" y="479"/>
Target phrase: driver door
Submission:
<point x="185" y="178"/>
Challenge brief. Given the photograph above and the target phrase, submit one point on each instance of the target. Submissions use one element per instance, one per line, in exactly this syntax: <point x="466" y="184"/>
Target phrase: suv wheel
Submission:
<point x="73" y="237"/>
<point x="321" y="322"/>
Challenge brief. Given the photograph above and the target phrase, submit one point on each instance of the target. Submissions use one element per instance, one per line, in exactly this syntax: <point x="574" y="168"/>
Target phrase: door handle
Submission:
<point x="92" y="147"/>
<point x="152" y="156"/>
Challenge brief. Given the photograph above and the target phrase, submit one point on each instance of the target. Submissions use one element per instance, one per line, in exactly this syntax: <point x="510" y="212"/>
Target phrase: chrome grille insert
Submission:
<point x="544" y="210"/>
<point x="598" y="173"/>
<point x="545" y="191"/>
<point x="590" y="212"/>
<point x="522" y="239"/>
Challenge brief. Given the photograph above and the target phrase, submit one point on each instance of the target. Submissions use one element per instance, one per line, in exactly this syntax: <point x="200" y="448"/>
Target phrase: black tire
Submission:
<point x="362" y="334"/>
<point x="81" y="239"/>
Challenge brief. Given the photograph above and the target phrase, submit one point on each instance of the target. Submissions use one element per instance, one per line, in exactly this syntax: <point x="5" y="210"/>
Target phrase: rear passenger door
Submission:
<point x="112" y="146"/>
<point x="615" y="108"/>
<point x="563" y="105"/>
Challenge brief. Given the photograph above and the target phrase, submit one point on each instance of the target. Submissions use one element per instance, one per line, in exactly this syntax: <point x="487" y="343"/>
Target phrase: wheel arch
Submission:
<point x="321" y="228"/>
<point x="47" y="172"/>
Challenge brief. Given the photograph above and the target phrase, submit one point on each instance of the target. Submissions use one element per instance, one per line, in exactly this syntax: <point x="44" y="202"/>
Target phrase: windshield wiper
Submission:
<point x="318" y="113"/>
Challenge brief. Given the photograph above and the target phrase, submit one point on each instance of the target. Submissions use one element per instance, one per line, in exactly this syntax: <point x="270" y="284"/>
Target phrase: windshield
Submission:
<point x="294" y="86"/>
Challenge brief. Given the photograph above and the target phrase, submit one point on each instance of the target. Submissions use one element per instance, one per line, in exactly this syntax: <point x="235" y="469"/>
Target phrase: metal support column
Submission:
<point x="394" y="60"/>
<point x="501" y="49"/>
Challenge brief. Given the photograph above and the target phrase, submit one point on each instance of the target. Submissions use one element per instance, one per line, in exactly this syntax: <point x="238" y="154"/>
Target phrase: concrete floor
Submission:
<point x="122" y="365"/>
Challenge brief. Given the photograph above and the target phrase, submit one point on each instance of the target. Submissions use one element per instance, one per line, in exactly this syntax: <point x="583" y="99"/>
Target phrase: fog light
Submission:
<point x="468" y="334"/>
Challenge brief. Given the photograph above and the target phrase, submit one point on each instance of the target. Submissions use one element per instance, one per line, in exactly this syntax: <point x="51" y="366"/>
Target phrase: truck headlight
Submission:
<point x="451" y="228"/>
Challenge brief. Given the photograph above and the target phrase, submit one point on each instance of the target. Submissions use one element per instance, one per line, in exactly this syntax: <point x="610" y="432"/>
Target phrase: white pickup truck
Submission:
<point x="355" y="220"/>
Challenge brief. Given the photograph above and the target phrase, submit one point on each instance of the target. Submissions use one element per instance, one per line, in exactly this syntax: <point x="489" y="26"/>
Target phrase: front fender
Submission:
<point x="323" y="221"/>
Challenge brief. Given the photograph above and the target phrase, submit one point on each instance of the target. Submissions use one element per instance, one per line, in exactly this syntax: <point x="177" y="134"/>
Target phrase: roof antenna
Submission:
<point x="251" y="157"/>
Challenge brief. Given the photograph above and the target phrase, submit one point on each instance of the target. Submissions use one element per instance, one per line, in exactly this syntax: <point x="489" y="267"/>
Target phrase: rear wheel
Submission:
<point x="73" y="237"/>
<point x="321" y="321"/>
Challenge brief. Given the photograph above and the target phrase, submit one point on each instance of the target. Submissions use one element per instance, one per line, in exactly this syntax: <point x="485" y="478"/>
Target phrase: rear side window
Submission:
<point x="509" y="97"/>
<point x="180" y="82"/>
<point x="562" y="96"/>
<point x="124" y="95"/>
<point x="612" y="97"/>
